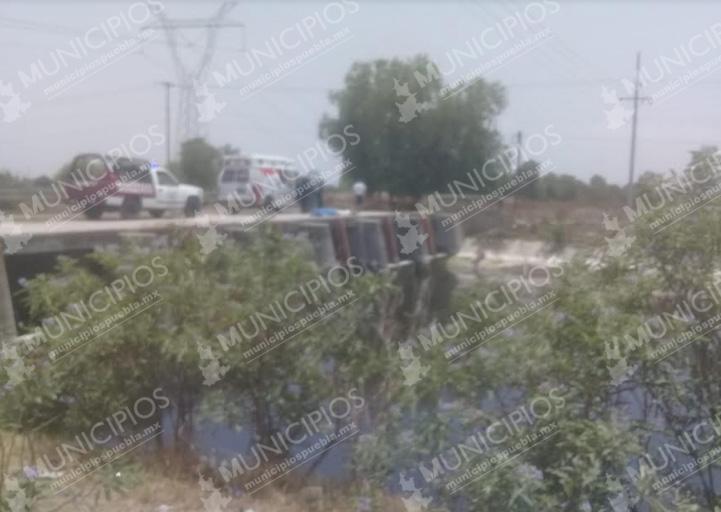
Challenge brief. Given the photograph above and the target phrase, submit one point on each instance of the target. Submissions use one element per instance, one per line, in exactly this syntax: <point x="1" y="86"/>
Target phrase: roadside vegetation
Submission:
<point x="606" y="422"/>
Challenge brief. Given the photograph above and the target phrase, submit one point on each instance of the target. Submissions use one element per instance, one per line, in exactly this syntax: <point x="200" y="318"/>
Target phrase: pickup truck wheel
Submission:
<point x="131" y="207"/>
<point x="157" y="213"/>
<point x="192" y="206"/>
<point x="95" y="212"/>
<point x="269" y="204"/>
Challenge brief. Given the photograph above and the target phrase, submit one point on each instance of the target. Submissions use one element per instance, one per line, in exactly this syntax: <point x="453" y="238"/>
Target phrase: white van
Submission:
<point x="256" y="181"/>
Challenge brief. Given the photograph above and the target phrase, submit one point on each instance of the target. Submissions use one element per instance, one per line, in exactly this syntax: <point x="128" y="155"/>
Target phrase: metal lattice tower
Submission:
<point x="187" y="75"/>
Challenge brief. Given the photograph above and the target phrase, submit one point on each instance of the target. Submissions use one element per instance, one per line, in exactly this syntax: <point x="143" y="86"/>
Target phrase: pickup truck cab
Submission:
<point x="130" y="186"/>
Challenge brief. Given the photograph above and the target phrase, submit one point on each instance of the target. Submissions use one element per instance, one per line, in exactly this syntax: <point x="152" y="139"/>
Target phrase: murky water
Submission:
<point x="501" y="261"/>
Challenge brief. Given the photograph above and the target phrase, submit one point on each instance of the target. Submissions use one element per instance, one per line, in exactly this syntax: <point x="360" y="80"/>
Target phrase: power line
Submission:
<point x="52" y="29"/>
<point x="20" y="24"/>
<point x="93" y="95"/>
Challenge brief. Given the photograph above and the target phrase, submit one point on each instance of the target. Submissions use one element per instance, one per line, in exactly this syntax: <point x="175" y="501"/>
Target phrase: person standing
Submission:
<point x="359" y="191"/>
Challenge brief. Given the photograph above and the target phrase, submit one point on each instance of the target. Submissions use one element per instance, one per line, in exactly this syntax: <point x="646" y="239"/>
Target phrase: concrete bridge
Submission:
<point x="378" y="240"/>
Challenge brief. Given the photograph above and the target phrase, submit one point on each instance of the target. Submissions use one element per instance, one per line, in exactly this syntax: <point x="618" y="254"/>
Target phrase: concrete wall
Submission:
<point x="371" y="237"/>
<point x="7" y="315"/>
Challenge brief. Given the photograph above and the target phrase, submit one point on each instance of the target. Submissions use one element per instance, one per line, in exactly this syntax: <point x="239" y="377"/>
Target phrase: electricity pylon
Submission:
<point x="188" y="75"/>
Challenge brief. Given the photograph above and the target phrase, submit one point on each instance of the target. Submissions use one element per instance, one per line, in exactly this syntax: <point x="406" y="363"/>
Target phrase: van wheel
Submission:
<point x="192" y="206"/>
<point x="95" y="211"/>
<point x="157" y="213"/>
<point x="131" y="207"/>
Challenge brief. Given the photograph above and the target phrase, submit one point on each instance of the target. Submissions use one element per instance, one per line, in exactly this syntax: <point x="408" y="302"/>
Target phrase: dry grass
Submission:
<point x="167" y="484"/>
<point x="158" y="493"/>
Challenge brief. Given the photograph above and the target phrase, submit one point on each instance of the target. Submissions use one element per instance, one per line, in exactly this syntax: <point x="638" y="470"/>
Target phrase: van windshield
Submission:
<point x="235" y="174"/>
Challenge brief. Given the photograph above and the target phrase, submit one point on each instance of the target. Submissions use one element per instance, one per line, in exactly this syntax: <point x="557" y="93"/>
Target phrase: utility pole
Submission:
<point x="519" y="157"/>
<point x="167" y="86"/>
<point x="634" y="123"/>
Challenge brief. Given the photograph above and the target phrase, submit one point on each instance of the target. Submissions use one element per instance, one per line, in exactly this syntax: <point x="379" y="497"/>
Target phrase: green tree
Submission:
<point x="529" y="173"/>
<point x="563" y="187"/>
<point x="200" y="163"/>
<point x="9" y="180"/>
<point x="229" y="149"/>
<point x="202" y="298"/>
<point x="647" y="182"/>
<point x="415" y="137"/>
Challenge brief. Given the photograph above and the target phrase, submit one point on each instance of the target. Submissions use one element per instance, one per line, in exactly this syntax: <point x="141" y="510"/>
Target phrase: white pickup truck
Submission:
<point x="131" y="186"/>
<point x="159" y="191"/>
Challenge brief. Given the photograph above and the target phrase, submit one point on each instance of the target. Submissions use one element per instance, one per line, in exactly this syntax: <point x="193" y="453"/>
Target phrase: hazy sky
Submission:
<point x="557" y="80"/>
